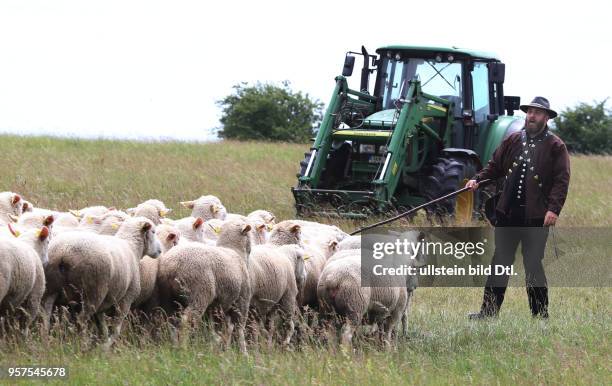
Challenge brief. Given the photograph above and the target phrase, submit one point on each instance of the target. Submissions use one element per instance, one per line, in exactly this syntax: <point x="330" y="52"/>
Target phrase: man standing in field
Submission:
<point x="536" y="170"/>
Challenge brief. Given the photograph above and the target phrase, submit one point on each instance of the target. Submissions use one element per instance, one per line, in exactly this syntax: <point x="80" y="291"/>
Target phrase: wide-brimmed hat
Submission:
<point x="540" y="103"/>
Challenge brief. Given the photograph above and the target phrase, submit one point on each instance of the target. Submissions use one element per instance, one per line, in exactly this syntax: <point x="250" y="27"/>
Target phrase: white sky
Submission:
<point x="156" y="68"/>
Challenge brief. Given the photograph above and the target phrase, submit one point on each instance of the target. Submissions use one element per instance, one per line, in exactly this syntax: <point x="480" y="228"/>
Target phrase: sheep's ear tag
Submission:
<point x="14" y="231"/>
<point x="305" y="257"/>
<point x="270" y="226"/>
<point x="13" y="217"/>
<point x="163" y="213"/>
<point x="306" y="241"/>
<point x="214" y="228"/>
<point x="115" y="225"/>
<point x="89" y="220"/>
<point x="75" y="213"/>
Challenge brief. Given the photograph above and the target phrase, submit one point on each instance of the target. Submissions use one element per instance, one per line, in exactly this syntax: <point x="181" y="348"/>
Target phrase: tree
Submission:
<point x="269" y="112"/>
<point x="586" y="128"/>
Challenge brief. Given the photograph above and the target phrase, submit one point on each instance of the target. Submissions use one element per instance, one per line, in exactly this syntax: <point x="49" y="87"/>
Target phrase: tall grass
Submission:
<point x="442" y="346"/>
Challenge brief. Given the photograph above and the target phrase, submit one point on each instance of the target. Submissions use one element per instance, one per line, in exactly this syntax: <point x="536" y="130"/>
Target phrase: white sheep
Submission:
<point x="198" y="276"/>
<point x="340" y="289"/>
<point x="22" y="278"/>
<point x="100" y="271"/>
<point x="107" y="224"/>
<point x="154" y="210"/>
<point x="147" y="300"/>
<point x="190" y="228"/>
<point x="276" y="275"/>
<point x="95" y="211"/>
<point x="10" y="205"/>
<point x="206" y="207"/>
<point x="267" y="217"/>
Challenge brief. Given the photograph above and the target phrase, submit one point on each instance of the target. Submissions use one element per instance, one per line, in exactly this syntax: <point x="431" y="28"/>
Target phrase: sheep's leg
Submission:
<point x="229" y="323"/>
<point x="102" y="326"/>
<point x="289" y="309"/>
<point x="270" y="326"/>
<point x="47" y="304"/>
<point x="346" y="334"/>
<point x="122" y="309"/>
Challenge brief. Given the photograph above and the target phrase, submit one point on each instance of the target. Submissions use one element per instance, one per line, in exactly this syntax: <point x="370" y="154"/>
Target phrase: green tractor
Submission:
<point x="434" y="118"/>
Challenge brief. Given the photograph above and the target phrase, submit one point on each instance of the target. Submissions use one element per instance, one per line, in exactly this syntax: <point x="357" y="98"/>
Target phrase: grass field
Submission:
<point x="441" y="347"/>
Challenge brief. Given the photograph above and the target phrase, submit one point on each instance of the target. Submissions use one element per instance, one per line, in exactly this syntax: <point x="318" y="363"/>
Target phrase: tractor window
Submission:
<point x="439" y="79"/>
<point x="480" y="79"/>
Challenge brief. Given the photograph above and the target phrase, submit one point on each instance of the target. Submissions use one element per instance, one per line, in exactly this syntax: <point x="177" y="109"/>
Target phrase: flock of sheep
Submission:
<point x="102" y="263"/>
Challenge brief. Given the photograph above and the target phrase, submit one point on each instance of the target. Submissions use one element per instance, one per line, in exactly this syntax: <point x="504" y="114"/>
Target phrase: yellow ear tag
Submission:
<point x="89" y="220"/>
<point x="163" y="213"/>
<point x="217" y="230"/>
<point x="306" y="241"/>
<point x="17" y="233"/>
<point x="37" y="233"/>
<point x="306" y="257"/>
<point x="115" y="225"/>
<point x="270" y="226"/>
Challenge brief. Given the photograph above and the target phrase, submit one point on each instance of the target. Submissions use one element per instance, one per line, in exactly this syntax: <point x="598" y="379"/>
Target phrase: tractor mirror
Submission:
<point x="349" y="64"/>
<point x="511" y="103"/>
<point x="497" y="72"/>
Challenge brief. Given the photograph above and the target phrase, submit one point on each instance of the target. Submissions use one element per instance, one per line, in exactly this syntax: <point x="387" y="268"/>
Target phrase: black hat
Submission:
<point x="540" y="103"/>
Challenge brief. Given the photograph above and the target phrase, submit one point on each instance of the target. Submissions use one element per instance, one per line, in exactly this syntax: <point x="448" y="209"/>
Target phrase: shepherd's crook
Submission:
<point x="453" y="194"/>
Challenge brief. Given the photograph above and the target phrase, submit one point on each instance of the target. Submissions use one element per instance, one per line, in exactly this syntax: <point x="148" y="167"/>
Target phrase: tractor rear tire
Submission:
<point x="447" y="175"/>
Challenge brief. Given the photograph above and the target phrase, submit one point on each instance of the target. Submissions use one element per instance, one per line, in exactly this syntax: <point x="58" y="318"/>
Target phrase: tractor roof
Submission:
<point x="420" y="50"/>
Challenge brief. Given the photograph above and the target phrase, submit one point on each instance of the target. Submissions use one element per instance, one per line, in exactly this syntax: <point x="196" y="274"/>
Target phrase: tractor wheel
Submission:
<point x="448" y="175"/>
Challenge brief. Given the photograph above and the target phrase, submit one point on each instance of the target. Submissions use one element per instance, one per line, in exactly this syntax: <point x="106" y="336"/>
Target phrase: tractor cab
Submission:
<point x="380" y="147"/>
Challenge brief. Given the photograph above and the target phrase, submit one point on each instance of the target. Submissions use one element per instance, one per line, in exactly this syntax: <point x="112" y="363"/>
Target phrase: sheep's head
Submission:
<point x="146" y="210"/>
<point x="298" y="257"/>
<point x="259" y="230"/>
<point x="162" y="210"/>
<point x="207" y="207"/>
<point x="26" y="206"/>
<point x="11" y="203"/>
<point x="38" y="239"/>
<point x="235" y="234"/>
<point x="286" y="232"/>
<point x="33" y="220"/>
<point x="140" y="232"/>
<point x="168" y="236"/>
<point x="267" y="217"/>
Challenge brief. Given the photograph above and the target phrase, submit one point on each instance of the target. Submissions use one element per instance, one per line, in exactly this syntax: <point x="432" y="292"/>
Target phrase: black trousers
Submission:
<point x="510" y="231"/>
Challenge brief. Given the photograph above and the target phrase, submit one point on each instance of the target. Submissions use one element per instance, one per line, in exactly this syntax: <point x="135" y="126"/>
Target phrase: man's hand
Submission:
<point x="472" y="184"/>
<point x="550" y="218"/>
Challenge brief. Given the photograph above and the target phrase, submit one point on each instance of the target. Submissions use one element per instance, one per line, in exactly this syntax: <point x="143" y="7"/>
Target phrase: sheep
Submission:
<point x="191" y="228"/>
<point x="206" y="207"/>
<point x="286" y="232"/>
<point x="267" y="217"/>
<point x="314" y="230"/>
<point x="22" y="278"/>
<point x="98" y="210"/>
<point x="101" y="273"/>
<point x="276" y="275"/>
<point x="10" y="204"/>
<point x="202" y="277"/>
<point x="147" y="300"/>
<point x="154" y="210"/>
<point x="350" y="242"/>
<point x="34" y="220"/>
<point x="107" y="224"/>
<point x="340" y="288"/>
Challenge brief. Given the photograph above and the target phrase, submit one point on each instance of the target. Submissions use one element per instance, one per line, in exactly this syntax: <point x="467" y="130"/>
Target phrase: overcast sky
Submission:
<point x="156" y="68"/>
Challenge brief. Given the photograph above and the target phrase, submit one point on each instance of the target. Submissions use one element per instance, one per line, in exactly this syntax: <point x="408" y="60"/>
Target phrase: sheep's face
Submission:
<point x="152" y="246"/>
<point x="168" y="236"/>
<point x="38" y="239"/>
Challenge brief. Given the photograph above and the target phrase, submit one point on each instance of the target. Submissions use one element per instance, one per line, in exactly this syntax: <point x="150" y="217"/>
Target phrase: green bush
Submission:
<point x="269" y="112"/>
<point x="586" y="128"/>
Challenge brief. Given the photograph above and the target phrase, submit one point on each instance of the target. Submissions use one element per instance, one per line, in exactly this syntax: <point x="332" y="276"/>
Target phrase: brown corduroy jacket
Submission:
<point x="542" y="166"/>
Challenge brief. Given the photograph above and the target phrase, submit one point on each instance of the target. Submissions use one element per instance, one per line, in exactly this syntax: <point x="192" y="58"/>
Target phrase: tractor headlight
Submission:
<point x="367" y="149"/>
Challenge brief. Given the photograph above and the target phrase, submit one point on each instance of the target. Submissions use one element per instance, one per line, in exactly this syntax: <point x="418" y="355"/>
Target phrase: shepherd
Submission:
<point x="535" y="168"/>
